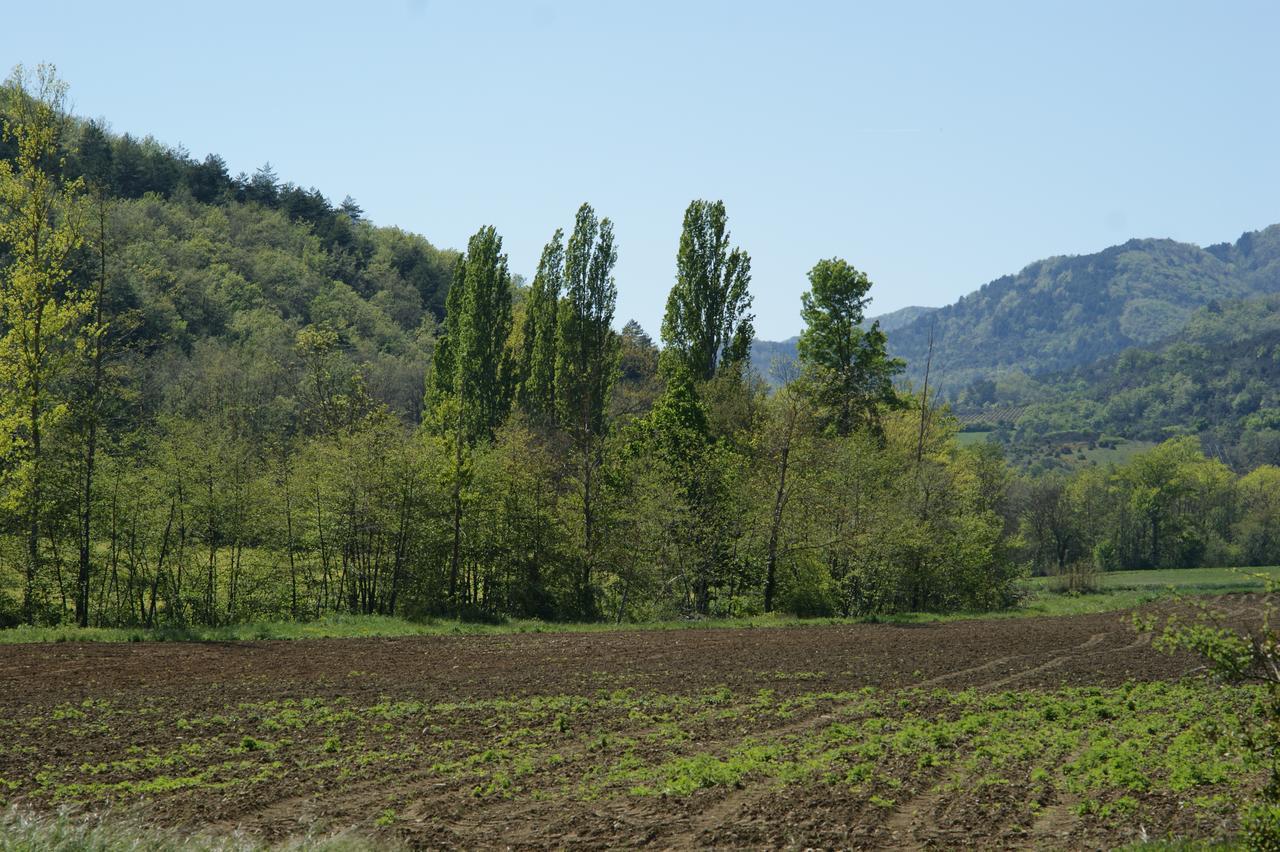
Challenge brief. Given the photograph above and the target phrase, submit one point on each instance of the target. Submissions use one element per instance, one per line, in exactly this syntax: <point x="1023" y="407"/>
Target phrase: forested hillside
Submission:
<point x="210" y="272"/>
<point x="1065" y="312"/>
<point x="1218" y="377"/>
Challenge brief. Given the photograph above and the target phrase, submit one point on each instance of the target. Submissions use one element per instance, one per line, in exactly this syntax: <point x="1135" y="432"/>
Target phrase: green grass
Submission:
<point x="966" y="439"/>
<point x="1119" y="590"/>
<point x="381" y="627"/>
<point x="1185" y="580"/>
<point x="1123" y="452"/>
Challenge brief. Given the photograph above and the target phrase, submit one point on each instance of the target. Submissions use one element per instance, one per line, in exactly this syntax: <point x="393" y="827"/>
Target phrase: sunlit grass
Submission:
<point x="1118" y="590"/>
<point x="1184" y="579"/>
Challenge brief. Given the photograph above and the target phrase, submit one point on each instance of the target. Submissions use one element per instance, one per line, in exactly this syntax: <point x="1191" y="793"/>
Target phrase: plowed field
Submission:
<point x="1039" y="732"/>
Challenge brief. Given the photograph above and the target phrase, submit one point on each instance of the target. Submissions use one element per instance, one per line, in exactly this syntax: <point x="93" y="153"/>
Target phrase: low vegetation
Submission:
<point x="397" y="742"/>
<point x="73" y="831"/>
<point x="1114" y="591"/>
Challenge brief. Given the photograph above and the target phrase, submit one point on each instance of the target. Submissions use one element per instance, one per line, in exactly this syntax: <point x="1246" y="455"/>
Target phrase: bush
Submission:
<point x="10" y="615"/>
<point x="808" y="592"/>
<point x="472" y="614"/>
<point x="1078" y="578"/>
<point x="1262" y="827"/>
<point x="1242" y="657"/>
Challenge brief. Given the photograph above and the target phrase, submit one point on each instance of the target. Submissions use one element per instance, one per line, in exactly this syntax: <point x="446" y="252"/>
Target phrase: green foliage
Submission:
<point x="1250" y="656"/>
<point x="475" y="368"/>
<point x="707" y="326"/>
<point x="586" y="346"/>
<point x="1170" y="506"/>
<point x="41" y="305"/>
<point x="541" y="315"/>
<point x="847" y="369"/>
<point x="691" y="475"/>
<point x="272" y="444"/>
<point x="1216" y="377"/>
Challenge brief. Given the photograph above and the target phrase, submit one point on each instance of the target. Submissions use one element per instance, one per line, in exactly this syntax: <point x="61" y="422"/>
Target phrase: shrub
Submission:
<point x="1077" y="578"/>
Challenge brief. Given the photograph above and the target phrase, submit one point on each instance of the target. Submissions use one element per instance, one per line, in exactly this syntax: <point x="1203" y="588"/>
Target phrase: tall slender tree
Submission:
<point x="708" y="324"/>
<point x="537" y="392"/>
<point x="482" y="366"/>
<point x="41" y="307"/>
<point x="587" y="364"/>
<point x="472" y="370"/>
<point x="442" y="378"/>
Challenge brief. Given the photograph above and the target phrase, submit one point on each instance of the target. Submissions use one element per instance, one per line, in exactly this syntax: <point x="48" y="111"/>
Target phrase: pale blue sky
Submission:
<point x="934" y="145"/>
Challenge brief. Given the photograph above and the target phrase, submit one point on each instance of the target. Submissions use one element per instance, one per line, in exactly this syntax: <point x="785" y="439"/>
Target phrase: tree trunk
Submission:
<point x="455" y="557"/>
<point x="775" y="525"/>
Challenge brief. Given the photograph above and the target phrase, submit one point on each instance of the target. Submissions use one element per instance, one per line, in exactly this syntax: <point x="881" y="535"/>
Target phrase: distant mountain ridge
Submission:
<point x="1069" y="311"/>
<point x="1065" y="312"/>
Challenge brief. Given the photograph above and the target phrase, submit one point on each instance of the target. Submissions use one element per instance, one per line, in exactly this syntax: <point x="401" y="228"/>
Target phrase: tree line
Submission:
<point x="556" y="467"/>
<point x="213" y="413"/>
<point x="1169" y="507"/>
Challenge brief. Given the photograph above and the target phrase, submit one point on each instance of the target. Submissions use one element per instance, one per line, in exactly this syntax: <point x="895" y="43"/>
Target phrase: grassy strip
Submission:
<point x="66" y="832"/>
<point x="1120" y="590"/>
<point x="1184" y="579"/>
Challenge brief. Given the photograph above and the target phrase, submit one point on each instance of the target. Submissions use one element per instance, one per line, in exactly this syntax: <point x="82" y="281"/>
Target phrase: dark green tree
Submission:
<point x="708" y="324"/>
<point x="677" y="441"/>
<point x="848" y="370"/>
<point x="586" y="347"/>
<point x="482" y="363"/>
<point x="638" y="384"/>
<point x="471" y="361"/>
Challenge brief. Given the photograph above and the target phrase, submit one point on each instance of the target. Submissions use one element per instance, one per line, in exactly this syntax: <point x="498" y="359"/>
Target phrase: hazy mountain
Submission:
<point x="902" y="316"/>
<point x="1064" y="312"/>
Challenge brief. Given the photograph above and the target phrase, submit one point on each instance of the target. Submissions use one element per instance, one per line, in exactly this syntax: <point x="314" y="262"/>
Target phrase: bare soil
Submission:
<point x="520" y="741"/>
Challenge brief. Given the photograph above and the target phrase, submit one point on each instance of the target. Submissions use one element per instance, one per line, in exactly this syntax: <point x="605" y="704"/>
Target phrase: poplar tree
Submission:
<point x="442" y="363"/>
<point x="472" y="370"/>
<point x="482" y="368"/>
<point x="586" y="364"/>
<point x="472" y="364"/>
<point x="537" y="392"/>
<point x="41" y="308"/>
<point x="708" y="324"/>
